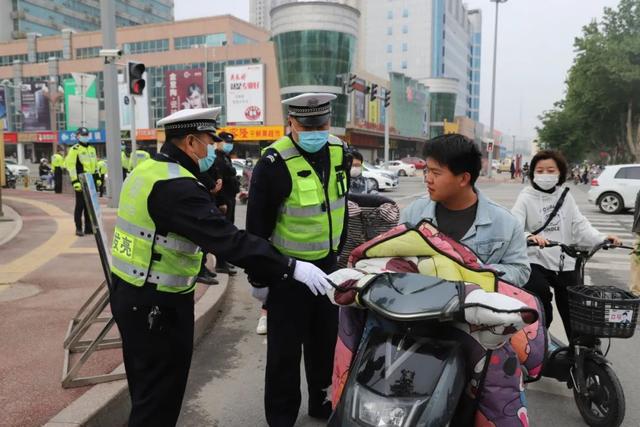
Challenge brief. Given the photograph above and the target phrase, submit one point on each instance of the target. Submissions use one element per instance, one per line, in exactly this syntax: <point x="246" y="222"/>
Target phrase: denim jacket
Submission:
<point x="496" y="236"/>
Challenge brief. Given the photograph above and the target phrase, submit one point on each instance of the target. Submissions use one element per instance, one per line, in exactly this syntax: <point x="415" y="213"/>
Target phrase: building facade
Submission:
<point x="49" y="17"/>
<point x="200" y="57"/>
<point x="475" y="19"/>
<point x="424" y="39"/>
<point x="260" y="13"/>
<point x="316" y="45"/>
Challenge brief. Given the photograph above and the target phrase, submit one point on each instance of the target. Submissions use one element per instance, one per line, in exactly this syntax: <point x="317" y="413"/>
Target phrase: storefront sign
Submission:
<point x="95" y="137"/>
<point x="10" y="137"/>
<point x="255" y="133"/>
<point x="146" y="134"/>
<point x="47" y="137"/>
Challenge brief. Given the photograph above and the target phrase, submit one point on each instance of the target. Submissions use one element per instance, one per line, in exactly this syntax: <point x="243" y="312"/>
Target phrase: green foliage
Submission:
<point x="601" y="109"/>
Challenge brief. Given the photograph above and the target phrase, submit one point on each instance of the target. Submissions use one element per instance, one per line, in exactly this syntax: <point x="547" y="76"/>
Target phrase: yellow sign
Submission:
<point x="374" y="112"/>
<point x="255" y="133"/>
<point x="450" y="127"/>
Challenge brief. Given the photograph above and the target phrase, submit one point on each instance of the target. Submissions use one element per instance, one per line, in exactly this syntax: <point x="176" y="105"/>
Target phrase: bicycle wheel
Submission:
<point x="605" y="405"/>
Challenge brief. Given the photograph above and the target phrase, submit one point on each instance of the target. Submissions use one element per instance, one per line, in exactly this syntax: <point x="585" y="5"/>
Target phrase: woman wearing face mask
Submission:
<point x="358" y="182"/>
<point x="535" y="204"/>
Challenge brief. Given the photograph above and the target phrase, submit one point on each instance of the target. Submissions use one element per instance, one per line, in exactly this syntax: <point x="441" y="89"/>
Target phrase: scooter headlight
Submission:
<point x="376" y="411"/>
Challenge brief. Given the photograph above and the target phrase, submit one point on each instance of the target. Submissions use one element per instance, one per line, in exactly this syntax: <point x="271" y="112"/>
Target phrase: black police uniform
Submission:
<point x="157" y="356"/>
<point x="296" y="318"/>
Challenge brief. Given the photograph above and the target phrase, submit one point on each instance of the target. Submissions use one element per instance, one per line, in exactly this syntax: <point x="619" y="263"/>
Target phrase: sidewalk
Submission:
<point x="46" y="274"/>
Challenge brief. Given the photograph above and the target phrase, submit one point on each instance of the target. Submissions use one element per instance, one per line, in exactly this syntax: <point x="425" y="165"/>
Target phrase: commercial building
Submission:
<point x="49" y="17"/>
<point x="424" y="39"/>
<point x="259" y="13"/>
<point x="201" y="62"/>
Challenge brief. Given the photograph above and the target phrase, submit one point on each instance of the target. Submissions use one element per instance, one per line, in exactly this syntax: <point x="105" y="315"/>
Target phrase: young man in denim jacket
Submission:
<point x="461" y="211"/>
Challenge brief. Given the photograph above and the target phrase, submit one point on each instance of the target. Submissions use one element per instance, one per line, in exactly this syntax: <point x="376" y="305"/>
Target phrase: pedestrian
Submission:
<point x="297" y="200"/>
<point x="102" y="175"/>
<point x="124" y="161"/>
<point x="165" y="215"/>
<point x="512" y="169"/>
<point x="44" y="171"/>
<point x="57" y="162"/>
<point x="358" y="184"/>
<point x="81" y="159"/>
<point x="137" y="158"/>
<point x="525" y="172"/>
<point x="226" y="197"/>
<point x="548" y="211"/>
<point x="634" y="284"/>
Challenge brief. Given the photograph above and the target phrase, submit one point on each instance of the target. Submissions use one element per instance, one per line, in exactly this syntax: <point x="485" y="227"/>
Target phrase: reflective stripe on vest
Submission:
<point x="139" y="254"/>
<point x="311" y="220"/>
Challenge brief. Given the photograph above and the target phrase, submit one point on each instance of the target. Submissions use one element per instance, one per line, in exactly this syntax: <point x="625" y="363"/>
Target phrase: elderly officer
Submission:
<point x="164" y="218"/>
<point x="81" y="159"/>
<point x="297" y="200"/>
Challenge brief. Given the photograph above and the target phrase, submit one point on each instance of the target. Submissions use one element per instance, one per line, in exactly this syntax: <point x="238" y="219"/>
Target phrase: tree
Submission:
<point x="601" y="109"/>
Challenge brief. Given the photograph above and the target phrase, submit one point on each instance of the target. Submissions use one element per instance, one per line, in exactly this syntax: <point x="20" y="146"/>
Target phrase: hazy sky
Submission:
<point x="535" y="51"/>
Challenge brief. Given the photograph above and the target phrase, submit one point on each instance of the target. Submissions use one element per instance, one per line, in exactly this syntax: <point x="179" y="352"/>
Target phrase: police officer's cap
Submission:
<point x="192" y="120"/>
<point x="226" y="136"/>
<point x="310" y="109"/>
<point x="82" y="131"/>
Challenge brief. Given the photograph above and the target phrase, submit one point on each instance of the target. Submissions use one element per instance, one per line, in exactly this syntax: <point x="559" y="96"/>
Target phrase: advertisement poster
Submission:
<point x="185" y="89"/>
<point x="3" y="108"/>
<point x="244" y="88"/>
<point x="35" y="106"/>
<point x="360" y="98"/>
<point x="374" y="111"/>
<point x="81" y="101"/>
<point x="142" y="106"/>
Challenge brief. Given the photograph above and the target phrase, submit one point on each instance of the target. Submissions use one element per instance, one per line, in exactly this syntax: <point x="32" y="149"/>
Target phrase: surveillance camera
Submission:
<point x="111" y="53"/>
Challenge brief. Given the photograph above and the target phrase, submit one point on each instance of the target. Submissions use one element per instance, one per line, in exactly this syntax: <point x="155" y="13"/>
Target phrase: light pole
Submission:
<point x="493" y="82"/>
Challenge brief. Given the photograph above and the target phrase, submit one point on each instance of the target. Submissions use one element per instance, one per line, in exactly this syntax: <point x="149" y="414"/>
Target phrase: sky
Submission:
<point x="535" y="52"/>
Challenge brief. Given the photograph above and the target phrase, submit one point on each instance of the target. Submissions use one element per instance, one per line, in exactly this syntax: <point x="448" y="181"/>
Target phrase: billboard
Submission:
<point x="81" y="101"/>
<point x="361" y="99"/>
<point x="124" y="101"/>
<point x="244" y="89"/>
<point x="35" y="106"/>
<point x="3" y="107"/>
<point x="68" y="137"/>
<point x="184" y="89"/>
<point x="374" y="111"/>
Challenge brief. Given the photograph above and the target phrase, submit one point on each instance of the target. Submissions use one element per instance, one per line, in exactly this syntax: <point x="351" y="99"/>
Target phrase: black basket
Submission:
<point x="603" y="311"/>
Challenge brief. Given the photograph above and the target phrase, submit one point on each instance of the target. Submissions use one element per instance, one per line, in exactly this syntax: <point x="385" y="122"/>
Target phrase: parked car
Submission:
<point x="504" y="166"/>
<point x="379" y="179"/>
<point x="15" y="168"/>
<point x="402" y="168"/>
<point x="415" y="161"/>
<point x="615" y="188"/>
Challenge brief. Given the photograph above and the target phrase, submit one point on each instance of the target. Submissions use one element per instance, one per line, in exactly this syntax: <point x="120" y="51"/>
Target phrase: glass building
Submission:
<point x="51" y="16"/>
<point x="443" y="93"/>
<point x="315" y="46"/>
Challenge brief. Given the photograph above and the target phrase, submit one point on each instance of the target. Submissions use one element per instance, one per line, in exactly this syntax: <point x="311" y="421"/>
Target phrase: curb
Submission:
<point x="15" y="218"/>
<point x="108" y="404"/>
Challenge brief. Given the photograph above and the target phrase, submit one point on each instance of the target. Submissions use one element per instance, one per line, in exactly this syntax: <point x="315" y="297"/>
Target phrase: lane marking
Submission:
<point x="61" y="240"/>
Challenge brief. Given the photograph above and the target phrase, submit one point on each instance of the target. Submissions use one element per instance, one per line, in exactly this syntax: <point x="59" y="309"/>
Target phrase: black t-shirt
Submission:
<point x="455" y="224"/>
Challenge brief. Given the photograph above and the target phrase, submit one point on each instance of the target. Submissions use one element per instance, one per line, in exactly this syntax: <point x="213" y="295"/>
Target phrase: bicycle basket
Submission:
<point x="603" y="311"/>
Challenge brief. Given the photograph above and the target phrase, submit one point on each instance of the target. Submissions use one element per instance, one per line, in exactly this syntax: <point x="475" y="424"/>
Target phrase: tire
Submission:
<point x="373" y="185"/>
<point x="610" y="203"/>
<point x="605" y="405"/>
<point x="402" y="172"/>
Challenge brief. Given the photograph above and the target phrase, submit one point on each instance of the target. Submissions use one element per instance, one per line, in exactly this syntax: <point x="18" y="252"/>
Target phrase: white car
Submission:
<point x="616" y="188"/>
<point x="379" y="179"/>
<point x="15" y="168"/>
<point x="401" y="168"/>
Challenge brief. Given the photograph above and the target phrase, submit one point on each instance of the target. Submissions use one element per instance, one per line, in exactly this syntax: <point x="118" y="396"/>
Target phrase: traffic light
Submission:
<point x="387" y="98"/>
<point x="374" y="91"/>
<point x="135" y="70"/>
<point x="351" y="83"/>
<point x="490" y="147"/>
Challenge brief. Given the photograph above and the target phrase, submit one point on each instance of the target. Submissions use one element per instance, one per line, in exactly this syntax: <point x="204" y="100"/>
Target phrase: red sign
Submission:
<point x="11" y="137"/>
<point x="146" y="134"/>
<point x="49" y="137"/>
<point x="185" y="89"/>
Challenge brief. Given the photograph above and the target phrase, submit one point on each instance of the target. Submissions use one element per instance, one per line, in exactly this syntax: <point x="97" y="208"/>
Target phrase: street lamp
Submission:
<point x="493" y="82"/>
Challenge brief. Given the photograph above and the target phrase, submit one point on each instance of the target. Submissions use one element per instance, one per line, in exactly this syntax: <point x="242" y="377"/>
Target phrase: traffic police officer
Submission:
<point x="81" y="159"/>
<point x="165" y="217"/>
<point x="102" y="175"/>
<point x="297" y="200"/>
<point x="57" y="162"/>
<point x="137" y="158"/>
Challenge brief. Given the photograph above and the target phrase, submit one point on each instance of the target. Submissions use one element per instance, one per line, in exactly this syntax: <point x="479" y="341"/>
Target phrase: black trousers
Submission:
<point x="57" y="180"/>
<point x="297" y="320"/>
<point x="156" y="360"/>
<point x="540" y="283"/>
<point x="80" y="211"/>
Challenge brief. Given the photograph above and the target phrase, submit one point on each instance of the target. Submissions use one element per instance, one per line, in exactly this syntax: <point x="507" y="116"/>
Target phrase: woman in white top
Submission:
<point x="550" y="267"/>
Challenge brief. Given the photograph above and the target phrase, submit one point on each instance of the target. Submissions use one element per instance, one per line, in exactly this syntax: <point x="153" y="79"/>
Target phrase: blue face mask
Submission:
<point x="227" y="147"/>
<point x="83" y="139"/>
<point x="205" y="163"/>
<point x="312" y="141"/>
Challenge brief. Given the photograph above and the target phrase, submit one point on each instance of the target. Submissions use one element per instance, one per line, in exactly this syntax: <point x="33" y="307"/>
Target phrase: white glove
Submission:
<point x="312" y="276"/>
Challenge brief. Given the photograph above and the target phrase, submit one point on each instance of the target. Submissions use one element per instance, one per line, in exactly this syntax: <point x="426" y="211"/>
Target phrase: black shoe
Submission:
<point x="79" y="233"/>
<point x="207" y="280"/>
<point x="204" y="271"/>
<point x="322" y="413"/>
<point x="88" y="232"/>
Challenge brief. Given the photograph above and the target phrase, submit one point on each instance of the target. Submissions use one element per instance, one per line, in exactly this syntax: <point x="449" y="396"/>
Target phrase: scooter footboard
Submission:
<point x="402" y="380"/>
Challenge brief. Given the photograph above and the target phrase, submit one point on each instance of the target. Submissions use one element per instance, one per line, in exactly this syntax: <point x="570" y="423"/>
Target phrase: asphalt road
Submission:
<point x="227" y="374"/>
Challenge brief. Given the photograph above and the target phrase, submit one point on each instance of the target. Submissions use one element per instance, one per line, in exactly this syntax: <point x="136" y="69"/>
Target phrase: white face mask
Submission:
<point x="545" y="181"/>
<point x="356" y="171"/>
